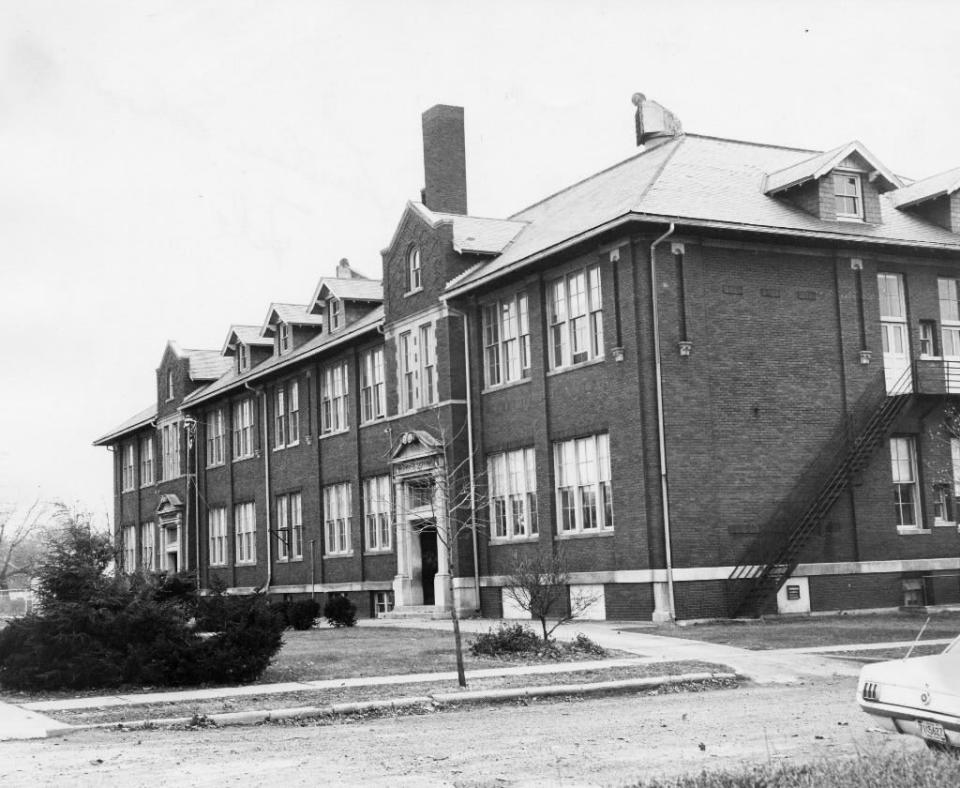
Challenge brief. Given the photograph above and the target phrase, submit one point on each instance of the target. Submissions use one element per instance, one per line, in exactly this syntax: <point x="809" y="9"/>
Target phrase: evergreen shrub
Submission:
<point x="340" y="611"/>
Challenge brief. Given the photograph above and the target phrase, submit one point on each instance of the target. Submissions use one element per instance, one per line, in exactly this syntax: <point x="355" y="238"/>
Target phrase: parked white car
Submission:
<point x="919" y="696"/>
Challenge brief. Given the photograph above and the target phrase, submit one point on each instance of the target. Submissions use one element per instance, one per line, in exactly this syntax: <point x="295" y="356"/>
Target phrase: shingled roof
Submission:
<point x="135" y="422"/>
<point x="938" y="185"/>
<point x="696" y="181"/>
<point x="248" y="335"/>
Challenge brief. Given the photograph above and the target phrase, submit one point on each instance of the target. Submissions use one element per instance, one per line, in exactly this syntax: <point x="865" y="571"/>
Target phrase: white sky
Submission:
<point x="169" y="168"/>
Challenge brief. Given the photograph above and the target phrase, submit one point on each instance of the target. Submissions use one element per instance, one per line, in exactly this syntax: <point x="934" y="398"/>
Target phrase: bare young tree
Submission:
<point x="538" y="584"/>
<point x="21" y="532"/>
<point x="455" y="503"/>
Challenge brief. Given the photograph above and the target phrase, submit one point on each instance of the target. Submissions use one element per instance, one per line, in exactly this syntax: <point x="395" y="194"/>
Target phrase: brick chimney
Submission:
<point x="344" y="271"/>
<point x="444" y="160"/>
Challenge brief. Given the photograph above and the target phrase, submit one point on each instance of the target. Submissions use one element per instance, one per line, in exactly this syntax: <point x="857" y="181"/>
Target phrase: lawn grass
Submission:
<point x="326" y="697"/>
<point x="894" y="770"/>
<point x="811" y="631"/>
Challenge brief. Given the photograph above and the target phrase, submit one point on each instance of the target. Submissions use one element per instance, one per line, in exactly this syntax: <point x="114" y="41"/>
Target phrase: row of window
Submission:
<point x="146" y="541"/>
<point x="906" y="486"/>
<point x="893" y="317"/>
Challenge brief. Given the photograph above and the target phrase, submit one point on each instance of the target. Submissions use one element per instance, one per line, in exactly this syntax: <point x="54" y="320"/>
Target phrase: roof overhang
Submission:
<point x="940" y="185"/>
<point x="817" y="166"/>
<point x="141" y="420"/>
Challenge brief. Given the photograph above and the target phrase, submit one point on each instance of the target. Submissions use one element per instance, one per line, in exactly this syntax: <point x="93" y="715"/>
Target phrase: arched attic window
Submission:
<point x="414" y="281"/>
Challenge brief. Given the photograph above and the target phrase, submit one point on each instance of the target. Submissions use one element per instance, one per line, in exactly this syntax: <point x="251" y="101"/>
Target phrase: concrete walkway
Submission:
<point x="765" y="667"/>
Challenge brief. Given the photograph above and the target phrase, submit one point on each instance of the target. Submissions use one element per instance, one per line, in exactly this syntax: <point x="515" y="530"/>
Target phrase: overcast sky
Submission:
<point x="169" y="168"/>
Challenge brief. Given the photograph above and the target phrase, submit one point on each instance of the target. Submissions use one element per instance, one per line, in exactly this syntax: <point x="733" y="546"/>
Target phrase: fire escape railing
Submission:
<point x="770" y="560"/>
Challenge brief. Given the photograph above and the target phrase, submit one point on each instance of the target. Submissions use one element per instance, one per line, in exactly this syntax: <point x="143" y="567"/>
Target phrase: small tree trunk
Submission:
<point x="458" y="641"/>
<point x="543" y="623"/>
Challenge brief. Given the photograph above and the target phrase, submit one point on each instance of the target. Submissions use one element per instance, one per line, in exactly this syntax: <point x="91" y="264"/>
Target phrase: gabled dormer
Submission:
<point x="246" y="348"/>
<point x="935" y="199"/>
<point x="345" y="298"/>
<point x="288" y="326"/>
<point x="841" y="185"/>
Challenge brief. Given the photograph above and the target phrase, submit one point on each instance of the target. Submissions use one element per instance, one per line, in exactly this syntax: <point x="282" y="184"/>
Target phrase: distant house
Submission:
<point x="721" y="374"/>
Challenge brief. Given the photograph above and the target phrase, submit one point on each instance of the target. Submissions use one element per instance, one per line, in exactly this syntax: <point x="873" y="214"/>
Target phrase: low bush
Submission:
<point x="340" y="611"/>
<point x="94" y="630"/>
<point x="512" y="640"/>
<point x="303" y="613"/>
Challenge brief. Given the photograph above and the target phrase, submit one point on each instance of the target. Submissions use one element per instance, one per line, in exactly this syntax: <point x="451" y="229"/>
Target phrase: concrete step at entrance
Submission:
<point x="417" y="612"/>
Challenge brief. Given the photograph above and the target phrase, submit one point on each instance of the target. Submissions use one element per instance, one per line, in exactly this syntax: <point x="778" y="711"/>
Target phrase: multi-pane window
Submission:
<point x="217" y="529"/>
<point x="849" y="199"/>
<point x="284" y="339"/>
<point x="286" y="414"/>
<point x="373" y="395"/>
<point x="148" y="541"/>
<point x="417" y="368"/>
<point x="215" y="433"/>
<point x="335" y="311"/>
<point x="129" y="536"/>
<point x="289" y="527"/>
<point x="928" y="338"/>
<point x="575" y="314"/>
<point x="376" y="512"/>
<point x="949" y="317"/>
<point x="127" y="467"/>
<point x="146" y="461"/>
<point x="170" y="450"/>
<point x="584" y="498"/>
<point x="903" y="466"/>
<point x="382" y="602"/>
<point x="169" y="384"/>
<point x="512" y="478"/>
<point x="337" y="518"/>
<point x="506" y="340"/>
<point x="245" y="527"/>
<point x="243" y="428"/>
<point x="333" y="398"/>
<point x="243" y="357"/>
<point x="414" y="281"/>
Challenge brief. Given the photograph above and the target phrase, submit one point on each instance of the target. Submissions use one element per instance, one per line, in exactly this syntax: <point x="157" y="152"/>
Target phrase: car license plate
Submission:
<point x="933" y="731"/>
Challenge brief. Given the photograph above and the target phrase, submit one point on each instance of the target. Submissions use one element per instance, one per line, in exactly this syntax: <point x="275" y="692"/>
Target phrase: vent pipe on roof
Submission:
<point x="654" y="121"/>
<point x="444" y="160"/>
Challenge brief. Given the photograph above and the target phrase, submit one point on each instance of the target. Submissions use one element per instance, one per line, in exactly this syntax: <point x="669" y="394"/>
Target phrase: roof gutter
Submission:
<point x="664" y="486"/>
<point x="632" y="217"/>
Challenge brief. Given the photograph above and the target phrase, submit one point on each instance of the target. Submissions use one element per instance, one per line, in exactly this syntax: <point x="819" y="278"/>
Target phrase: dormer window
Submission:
<point x="243" y="357"/>
<point x="413" y="270"/>
<point x="169" y="384"/>
<point x="284" y="341"/>
<point x="849" y="195"/>
<point x="335" y="312"/>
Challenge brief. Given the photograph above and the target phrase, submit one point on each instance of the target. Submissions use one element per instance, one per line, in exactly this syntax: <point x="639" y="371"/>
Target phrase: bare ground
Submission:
<point x="607" y="741"/>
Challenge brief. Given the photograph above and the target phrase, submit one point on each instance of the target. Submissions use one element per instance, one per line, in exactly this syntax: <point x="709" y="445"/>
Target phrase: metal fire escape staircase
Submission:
<point x="773" y="557"/>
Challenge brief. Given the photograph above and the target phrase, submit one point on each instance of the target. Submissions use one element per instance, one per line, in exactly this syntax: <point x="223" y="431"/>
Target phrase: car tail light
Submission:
<point x="870" y="689"/>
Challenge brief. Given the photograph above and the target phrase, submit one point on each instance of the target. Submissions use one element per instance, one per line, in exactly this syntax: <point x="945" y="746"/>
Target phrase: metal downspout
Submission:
<point x="664" y="487"/>
<point x="265" y="447"/>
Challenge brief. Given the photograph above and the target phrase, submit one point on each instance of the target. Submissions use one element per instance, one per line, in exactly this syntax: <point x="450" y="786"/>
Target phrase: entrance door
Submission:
<point x="896" y="341"/>
<point x="428" y="563"/>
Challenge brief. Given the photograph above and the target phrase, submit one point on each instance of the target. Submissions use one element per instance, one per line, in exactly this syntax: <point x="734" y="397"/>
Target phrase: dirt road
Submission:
<point x="608" y="741"/>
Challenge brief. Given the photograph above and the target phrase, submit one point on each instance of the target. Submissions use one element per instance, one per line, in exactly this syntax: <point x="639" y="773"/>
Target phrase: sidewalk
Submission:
<point x="765" y="667"/>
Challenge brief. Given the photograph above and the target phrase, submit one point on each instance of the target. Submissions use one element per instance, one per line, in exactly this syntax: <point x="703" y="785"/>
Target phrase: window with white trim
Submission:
<point x="506" y="340"/>
<point x="584" y="498"/>
<point x="284" y="338"/>
<point x="215" y="433"/>
<point x="512" y="477"/>
<point x="148" y="541"/>
<point x="335" y="313"/>
<point x="286" y="414"/>
<point x="146" y="461"/>
<point x="575" y="318"/>
<point x="243" y="429"/>
<point x="416" y="351"/>
<point x="243" y="357"/>
<point x="289" y="527"/>
<point x="373" y="393"/>
<point x="128" y="465"/>
<point x="848" y="195"/>
<point x="217" y="531"/>
<point x="903" y="467"/>
<point x="245" y="527"/>
<point x="376" y="512"/>
<point x="414" y="267"/>
<point x="129" y="536"/>
<point x="949" y="294"/>
<point x="382" y="602"/>
<point x="928" y="338"/>
<point x="170" y="449"/>
<point x="169" y="384"/>
<point x="337" y="518"/>
<point x="333" y="398"/>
